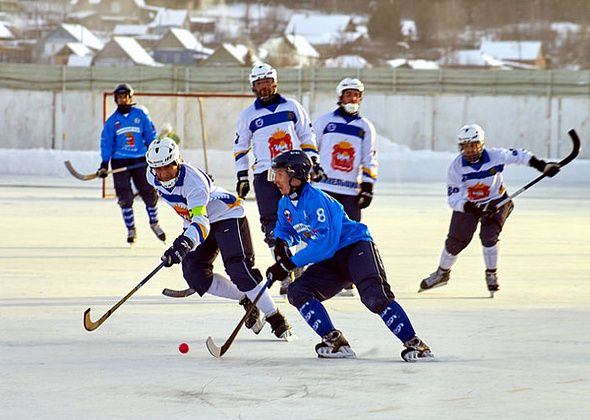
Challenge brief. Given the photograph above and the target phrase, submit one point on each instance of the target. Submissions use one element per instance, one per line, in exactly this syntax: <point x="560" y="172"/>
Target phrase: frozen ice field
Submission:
<point x="523" y="354"/>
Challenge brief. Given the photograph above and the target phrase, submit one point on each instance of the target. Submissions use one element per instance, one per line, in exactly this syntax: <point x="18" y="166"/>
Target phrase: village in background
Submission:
<point x="419" y="34"/>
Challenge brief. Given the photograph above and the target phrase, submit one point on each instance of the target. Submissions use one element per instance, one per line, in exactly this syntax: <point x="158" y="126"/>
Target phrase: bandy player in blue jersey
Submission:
<point x="339" y="252"/>
<point x="214" y="223"/>
<point x="268" y="127"/>
<point x="475" y="188"/>
<point x="125" y="137"/>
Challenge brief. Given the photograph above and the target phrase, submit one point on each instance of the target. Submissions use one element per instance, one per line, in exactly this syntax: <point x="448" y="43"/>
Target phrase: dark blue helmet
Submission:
<point x="296" y="162"/>
<point x="123" y="88"/>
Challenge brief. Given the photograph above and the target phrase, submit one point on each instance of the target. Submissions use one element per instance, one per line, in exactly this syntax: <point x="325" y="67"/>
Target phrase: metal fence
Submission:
<point x="554" y="83"/>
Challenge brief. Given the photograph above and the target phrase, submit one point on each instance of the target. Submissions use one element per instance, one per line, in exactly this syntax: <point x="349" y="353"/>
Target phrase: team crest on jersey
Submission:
<point x="117" y="125"/>
<point x="331" y="127"/>
<point x="130" y="140"/>
<point x="182" y="212"/>
<point x="478" y="191"/>
<point x="258" y="122"/>
<point x="288" y="216"/>
<point x="136" y="120"/>
<point x="343" y="157"/>
<point x="279" y="142"/>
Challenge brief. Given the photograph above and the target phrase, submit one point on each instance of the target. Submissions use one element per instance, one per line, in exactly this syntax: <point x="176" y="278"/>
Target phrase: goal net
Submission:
<point x="205" y="123"/>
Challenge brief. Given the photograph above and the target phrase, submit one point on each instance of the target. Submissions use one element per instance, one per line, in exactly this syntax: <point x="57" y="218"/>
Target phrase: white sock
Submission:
<point x="490" y="257"/>
<point x="221" y="286"/>
<point x="265" y="303"/>
<point x="447" y="260"/>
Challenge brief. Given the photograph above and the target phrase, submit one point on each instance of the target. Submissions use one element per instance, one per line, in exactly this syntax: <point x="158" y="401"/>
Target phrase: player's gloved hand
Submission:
<point x="174" y="255"/>
<point x="365" y="196"/>
<point x="243" y="185"/>
<point x="473" y="208"/>
<point x="281" y="250"/>
<point x="549" y="169"/>
<point x="102" y="171"/>
<point x="317" y="172"/>
<point x="279" y="270"/>
<point x="489" y="210"/>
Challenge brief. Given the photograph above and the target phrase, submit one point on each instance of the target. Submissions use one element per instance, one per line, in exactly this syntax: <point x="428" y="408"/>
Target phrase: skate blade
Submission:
<point x="444" y="283"/>
<point x="256" y="328"/>
<point x="413" y="356"/>
<point x="288" y="336"/>
<point x="344" y="352"/>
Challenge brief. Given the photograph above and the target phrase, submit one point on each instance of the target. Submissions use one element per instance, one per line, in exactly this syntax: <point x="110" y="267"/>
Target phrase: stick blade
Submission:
<point x="77" y="174"/>
<point x="88" y="324"/>
<point x="178" y="293"/>
<point x="213" y="348"/>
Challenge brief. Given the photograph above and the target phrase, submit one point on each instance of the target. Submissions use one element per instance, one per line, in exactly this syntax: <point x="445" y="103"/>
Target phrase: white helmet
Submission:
<point x="349" y="83"/>
<point x="262" y="71"/>
<point x="470" y="133"/>
<point x="163" y="152"/>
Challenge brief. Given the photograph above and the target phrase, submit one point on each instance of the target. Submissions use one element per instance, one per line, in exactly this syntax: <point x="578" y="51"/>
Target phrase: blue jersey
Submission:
<point x="126" y="136"/>
<point x="320" y="221"/>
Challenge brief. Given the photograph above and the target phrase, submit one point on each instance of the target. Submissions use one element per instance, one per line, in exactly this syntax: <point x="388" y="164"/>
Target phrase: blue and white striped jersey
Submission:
<point x="348" y="151"/>
<point x="198" y="201"/>
<point x="269" y="130"/>
<point x="481" y="182"/>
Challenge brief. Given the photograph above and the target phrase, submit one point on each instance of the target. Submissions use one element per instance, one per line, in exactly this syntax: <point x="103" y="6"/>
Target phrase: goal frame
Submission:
<point x="106" y="96"/>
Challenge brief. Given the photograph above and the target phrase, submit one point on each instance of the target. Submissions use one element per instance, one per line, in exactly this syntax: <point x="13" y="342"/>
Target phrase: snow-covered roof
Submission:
<point x="413" y="64"/>
<point x="320" y="29"/>
<point x="135" y="51"/>
<point x="471" y="58"/>
<point x="169" y="17"/>
<point x="512" y="50"/>
<point x="5" y="32"/>
<point x="301" y="45"/>
<point x="128" y="30"/>
<point x="238" y="51"/>
<point x="139" y="3"/>
<point x="187" y="39"/>
<point x="83" y="35"/>
<point x="347" y="61"/>
<point x="79" y="49"/>
<point x="77" y="61"/>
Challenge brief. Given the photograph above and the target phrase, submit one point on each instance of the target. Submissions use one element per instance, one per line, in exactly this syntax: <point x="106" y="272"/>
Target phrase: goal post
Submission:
<point x="202" y="120"/>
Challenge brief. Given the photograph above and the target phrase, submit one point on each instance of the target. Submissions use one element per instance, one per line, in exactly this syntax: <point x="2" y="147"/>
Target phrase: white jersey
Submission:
<point x="270" y="130"/>
<point x="348" y="143"/>
<point x="198" y="201"/>
<point x="481" y="182"/>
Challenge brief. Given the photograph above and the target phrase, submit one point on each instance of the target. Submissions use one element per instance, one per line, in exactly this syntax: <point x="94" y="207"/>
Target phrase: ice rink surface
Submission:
<point x="523" y="354"/>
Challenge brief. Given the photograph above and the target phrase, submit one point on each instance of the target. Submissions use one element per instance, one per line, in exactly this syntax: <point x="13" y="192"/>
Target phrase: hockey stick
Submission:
<point x="92" y="325"/>
<point x="220" y="351"/>
<point x="178" y="293"/>
<point x="575" y="152"/>
<point x="88" y="177"/>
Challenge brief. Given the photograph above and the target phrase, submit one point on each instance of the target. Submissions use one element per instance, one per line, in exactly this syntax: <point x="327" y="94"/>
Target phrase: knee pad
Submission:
<point x="298" y="294"/>
<point x="374" y="303"/>
<point x="455" y="245"/>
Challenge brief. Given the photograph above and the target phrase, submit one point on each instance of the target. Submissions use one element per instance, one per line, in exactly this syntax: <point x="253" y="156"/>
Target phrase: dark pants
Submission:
<point x="350" y="204"/>
<point x="122" y="181"/>
<point x="232" y="238"/>
<point x="358" y="264"/>
<point x="464" y="225"/>
<point x="267" y="198"/>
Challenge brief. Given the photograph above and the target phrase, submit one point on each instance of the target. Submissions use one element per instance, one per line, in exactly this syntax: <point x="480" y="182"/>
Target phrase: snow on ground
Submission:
<point x="523" y="354"/>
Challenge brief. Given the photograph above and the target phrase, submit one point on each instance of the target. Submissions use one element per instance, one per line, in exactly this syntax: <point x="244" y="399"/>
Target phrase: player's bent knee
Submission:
<point x="297" y="294"/>
<point x="375" y="304"/>
<point x="454" y="245"/>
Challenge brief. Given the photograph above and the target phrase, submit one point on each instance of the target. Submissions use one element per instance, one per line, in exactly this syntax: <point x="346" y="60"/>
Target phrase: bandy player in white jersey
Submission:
<point x="346" y="142"/>
<point x="268" y="127"/>
<point x="475" y="187"/>
<point x="214" y="222"/>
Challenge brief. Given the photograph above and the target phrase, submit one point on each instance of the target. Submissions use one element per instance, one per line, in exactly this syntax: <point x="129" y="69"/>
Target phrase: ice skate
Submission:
<point x="280" y="327"/>
<point x="437" y="279"/>
<point x="416" y="350"/>
<point x="334" y="346"/>
<point x="492" y="282"/>
<point x="158" y="231"/>
<point x="254" y="322"/>
<point x="285" y="285"/>
<point x="131" y="235"/>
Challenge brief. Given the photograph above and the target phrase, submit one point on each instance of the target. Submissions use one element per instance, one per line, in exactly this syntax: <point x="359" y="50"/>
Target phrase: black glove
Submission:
<point x="317" y="172"/>
<point x="365" y="196"/>
<point x="281" y="251"/>
<point x="243" y="185"/>
<point x="174" y="255"/>
<point x="102" y="171"/>
<point x="549" y="169"/>
<point x="279" y="270"/>
<point x="473" y="208"/>
<point x="489" y="210"/>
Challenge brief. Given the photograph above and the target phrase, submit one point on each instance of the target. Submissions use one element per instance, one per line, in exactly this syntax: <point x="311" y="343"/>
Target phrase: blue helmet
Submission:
<point x="296" y="162"/>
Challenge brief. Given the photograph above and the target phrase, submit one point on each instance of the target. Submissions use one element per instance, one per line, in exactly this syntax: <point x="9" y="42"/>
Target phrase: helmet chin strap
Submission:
<point x="295" y="191"/>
